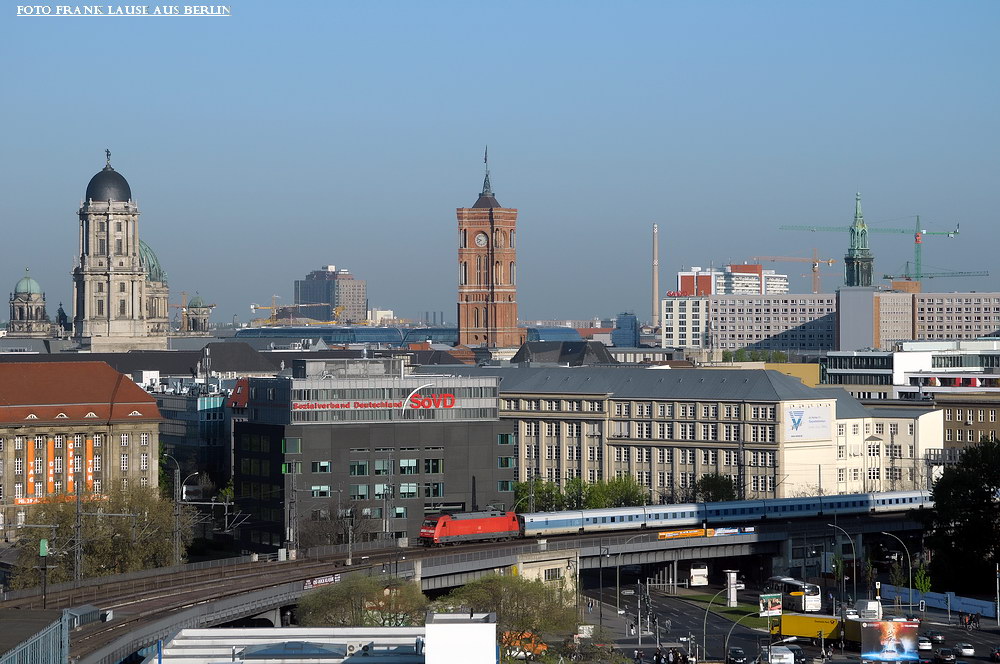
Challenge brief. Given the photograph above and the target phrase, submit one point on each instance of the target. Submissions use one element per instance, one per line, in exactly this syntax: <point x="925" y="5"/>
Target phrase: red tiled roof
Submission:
<point x="65" y="392"/>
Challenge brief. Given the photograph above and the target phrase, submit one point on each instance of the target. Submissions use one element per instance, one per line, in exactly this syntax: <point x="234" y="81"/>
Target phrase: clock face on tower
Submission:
<point x="481" y="240"/>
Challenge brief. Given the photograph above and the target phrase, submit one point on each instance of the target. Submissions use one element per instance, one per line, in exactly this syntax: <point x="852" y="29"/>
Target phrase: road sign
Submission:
<point x="628" y="592"/>
<point x="43" y="547"/>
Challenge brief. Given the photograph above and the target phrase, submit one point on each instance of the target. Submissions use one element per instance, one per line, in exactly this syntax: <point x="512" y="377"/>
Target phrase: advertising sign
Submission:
<point x="689" y="532"/>
<point x="889" y="641"/>
<point x="807" y="421"/>
<point x="309" y="584"/>
<point x="770" y="605"/>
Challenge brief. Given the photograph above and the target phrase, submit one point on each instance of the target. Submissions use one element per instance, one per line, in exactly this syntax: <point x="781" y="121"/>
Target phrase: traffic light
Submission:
<point x="923" y="606"/>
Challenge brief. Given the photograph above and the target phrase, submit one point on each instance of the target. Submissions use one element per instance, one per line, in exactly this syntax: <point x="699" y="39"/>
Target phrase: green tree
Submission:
<point x="714" y="487"/>
<point x="922" y="579"/>
<point x="520" y="605"/>
<point x="727" y="356"/>
<point x="778" y="356"/>
<point x="548" y="497"/>
<point x="626" y="492"/>
<point x="575" y="493"/>
<point x="757" y="356"/>
<point x="964" y="527"/>
<point x="364" y="601"/>
<point x="899" y="578"/>
<point x="111" y="544"/>
<point x="740" y="355"/>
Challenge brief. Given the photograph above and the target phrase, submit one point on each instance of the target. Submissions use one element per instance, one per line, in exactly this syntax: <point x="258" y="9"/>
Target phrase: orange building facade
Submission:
<point x="69" y="423"/>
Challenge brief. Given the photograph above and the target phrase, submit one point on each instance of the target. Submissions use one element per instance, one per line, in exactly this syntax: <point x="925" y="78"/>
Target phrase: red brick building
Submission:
<point x="487" y="265"/>
<point x="63" y="423"/>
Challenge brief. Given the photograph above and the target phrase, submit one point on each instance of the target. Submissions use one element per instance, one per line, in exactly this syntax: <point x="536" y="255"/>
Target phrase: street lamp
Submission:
<point x="730" y="632"/>
<point x="704" y="624"/>
<point x="618" y="575"/>
<point x="602" y="552"/>
<point x="909" y="565"/>
<point x="854" y="561"/>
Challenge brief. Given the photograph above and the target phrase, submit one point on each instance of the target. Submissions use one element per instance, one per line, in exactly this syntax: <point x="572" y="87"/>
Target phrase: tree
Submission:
<point x="548" y="497"/>
<point x="626" y="492"/>
<point x="521" y="606"/>
<point x="575" y="493"/>
<point x="870" y="575"/>
<point x="111" y="544"/>
<point x="714" y="487"/>
<point x="898" y="577"/>
<point x="727" y="356"/>
<point x="364" y="601"/>
<point x="322" y="527"/>
<point x="922" y="579"/>
<point x="964" y="527"/>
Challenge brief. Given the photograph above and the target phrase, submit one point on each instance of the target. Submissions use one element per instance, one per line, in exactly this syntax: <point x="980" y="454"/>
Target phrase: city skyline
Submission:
<point x="353" y="136"/>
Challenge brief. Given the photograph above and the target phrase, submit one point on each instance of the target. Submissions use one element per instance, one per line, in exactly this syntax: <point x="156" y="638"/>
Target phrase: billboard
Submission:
<point x="889" y="641"/>
<point x="770" y="605"/>
<point x="807" y="421"/>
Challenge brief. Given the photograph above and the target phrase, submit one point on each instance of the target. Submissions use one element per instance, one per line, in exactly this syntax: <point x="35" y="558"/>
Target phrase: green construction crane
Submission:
<point x="917" y="232"/>
<point x="909" y="276"/>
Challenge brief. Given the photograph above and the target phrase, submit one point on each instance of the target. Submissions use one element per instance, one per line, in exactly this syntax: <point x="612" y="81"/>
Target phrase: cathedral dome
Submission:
<point x="196" y="302"/>
<point x="108" y="185"/>
<point x="154" y="271"/>
<point x="27" y="285"/>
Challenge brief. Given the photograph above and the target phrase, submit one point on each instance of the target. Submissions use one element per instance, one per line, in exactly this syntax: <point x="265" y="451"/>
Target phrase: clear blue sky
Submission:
<point x="296" y="134"/>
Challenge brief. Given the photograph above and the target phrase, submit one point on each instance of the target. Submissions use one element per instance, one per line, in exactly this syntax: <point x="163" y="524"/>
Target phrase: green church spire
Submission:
<point x="859" y="230"/>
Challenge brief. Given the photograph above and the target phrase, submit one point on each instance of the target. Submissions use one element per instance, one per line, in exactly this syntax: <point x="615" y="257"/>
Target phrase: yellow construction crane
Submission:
<point x="816" y="261"/>
<point x="274" y="309"/>
<point x="184" y="312"/>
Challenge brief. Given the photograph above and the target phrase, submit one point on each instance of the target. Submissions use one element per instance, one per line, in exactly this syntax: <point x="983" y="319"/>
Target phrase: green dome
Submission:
<point x="196" y="302"/>
<point x="27" y="286"/>
<point x="154" y="272"/>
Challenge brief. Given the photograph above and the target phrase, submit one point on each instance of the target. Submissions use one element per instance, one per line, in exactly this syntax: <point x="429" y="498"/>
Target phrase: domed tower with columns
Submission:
<point x="119" y="288"/>
<point x="27" y="310"/>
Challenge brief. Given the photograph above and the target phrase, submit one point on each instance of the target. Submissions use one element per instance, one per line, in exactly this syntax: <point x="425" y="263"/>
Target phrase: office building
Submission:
<point x="364" y="436"/>
<point x="68" y="426"/>
<point x="746" y="279"/>
<point x="336" y="295"/>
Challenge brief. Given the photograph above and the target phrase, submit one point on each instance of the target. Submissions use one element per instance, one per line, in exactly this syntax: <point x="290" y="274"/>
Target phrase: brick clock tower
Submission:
<point x="487" y="273"/>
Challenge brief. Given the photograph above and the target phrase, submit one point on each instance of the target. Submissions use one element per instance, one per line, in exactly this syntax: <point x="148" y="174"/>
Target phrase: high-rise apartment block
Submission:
<point x="329" y="289"/>
<point x="748" y="279"/>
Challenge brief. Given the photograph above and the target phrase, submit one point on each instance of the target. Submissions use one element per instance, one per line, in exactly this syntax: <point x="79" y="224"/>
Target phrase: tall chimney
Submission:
<point x="656" y="275"/>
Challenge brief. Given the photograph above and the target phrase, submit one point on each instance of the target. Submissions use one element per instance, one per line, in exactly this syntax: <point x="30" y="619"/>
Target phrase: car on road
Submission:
<point x="965" y="650"/>
<point x="944" y="655"/>
<point x="995" y="654"/>
<point x="736" y="656"/>
<point x="800" y="657"/>
<point x="935" y="637"/>
<point x="923" y="643"/>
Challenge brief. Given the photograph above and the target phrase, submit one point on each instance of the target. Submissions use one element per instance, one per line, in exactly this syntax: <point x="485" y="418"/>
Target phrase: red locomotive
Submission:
<point x="469" y="527"/>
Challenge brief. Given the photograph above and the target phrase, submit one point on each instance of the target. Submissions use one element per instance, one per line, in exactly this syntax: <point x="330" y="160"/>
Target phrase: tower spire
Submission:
<point x="858" y="261"/>
<point x="487" y="189"/>
<point x="859" y="230"/>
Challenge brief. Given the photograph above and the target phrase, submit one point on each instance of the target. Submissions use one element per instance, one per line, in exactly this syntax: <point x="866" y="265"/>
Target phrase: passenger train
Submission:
<point x="484" y="526"/>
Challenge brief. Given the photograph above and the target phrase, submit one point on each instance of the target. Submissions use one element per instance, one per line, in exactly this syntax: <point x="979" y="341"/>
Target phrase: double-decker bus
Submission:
<point x="796" y="595"/>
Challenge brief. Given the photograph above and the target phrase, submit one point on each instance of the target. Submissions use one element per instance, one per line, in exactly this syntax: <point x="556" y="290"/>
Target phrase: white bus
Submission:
<point x="796" y="595"/>
<point x="698" y="576"/>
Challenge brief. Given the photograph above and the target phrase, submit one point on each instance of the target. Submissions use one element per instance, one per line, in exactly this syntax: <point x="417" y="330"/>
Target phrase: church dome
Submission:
<point x="108" y="185"/>
<point x="154" y="271"/>
<point x="27" y="285"/>
<point x="196" y="302"/>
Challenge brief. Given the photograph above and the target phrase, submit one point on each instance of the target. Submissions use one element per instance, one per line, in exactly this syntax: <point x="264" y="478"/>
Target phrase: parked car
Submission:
<point x="800" y="657"/>
<point x="965" y="650"/>
<point x="936" y="637"/>
<point x="923" y="643"/>
<point x="736" y="656"/>
<point x="995" y="654"/>
<point x="943" y="655"/>
<point x="924" y="659"/>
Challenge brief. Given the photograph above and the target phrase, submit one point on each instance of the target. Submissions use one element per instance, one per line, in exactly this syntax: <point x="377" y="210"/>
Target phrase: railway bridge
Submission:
<point x="155" y="604"/>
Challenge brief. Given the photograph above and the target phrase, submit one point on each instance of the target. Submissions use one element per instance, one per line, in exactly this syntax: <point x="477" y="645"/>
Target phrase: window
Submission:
<point x="505" y="486"/>
<point x="506" y="462"/>
<point x="408" y="490"/>
<point x="879" y="428"/>
<point x="144" y="461"/>
<point x="553" y="573"/>
<point x="894" y="429"/>
<point x="382" y="467"/>
<point x="359" y="492"/>
<point x="399" y="512"/>
<point x="291" y="446"/>
<point x="434" y="490"/>
<point x="505" y="439"/>
<point x="97" y="462"/>
<point x="407" y="466"/>
<point x="144" y="439"/>
<point x="320" y="491"/>
<point x="320" y="466"/>
<point x="841" y="429"/>
<point x="18" y="466"/>
<point x="433" y="466"/>
<point x="98" y="439"/>
<point x="124" y="464"/>
<point x="841" y="474"/>
<point x="358" y="468"/>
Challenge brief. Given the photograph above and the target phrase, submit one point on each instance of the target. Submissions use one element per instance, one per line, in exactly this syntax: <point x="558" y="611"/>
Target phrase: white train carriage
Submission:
<point x="669" y="516"/>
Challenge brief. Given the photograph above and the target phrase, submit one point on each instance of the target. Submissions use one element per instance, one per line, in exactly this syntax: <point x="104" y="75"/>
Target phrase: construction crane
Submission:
<point x="274" y="308"/>
<point x="816" y="261"/>
<point x="909" y="276"/>
<point x="917" y="232"/>
<point x="184" y="312"/>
